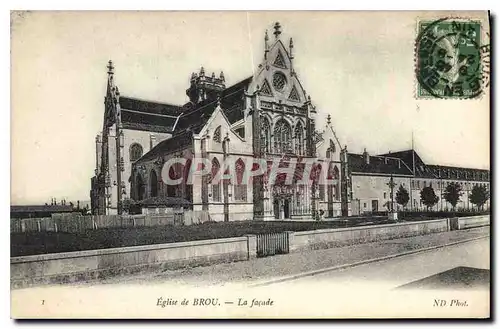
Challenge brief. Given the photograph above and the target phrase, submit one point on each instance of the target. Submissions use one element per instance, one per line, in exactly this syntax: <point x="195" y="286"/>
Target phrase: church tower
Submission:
<point x="283" y="128"/>
<point x="205" y="88"/>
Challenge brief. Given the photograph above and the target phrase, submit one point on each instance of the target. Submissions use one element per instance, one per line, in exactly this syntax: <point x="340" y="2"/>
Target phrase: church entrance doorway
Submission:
<point x="276" y="207"/>
<point x="286" y="208"/>
<point x="281" y="208"/>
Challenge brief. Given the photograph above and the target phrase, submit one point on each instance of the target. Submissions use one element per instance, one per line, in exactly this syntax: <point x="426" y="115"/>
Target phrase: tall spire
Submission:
<point x="111" y="72"/>
<point x="111" y="82"/>
<point x="277" y="30"/>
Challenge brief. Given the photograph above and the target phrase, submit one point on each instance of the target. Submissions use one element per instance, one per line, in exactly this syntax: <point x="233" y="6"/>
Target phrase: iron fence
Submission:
<point x="272" y="244"/>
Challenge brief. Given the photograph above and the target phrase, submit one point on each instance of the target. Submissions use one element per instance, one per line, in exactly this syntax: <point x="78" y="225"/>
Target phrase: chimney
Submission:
<point x="366" y="157"/>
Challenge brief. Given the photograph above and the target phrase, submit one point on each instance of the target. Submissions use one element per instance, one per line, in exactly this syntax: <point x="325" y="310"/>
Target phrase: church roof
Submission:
<point x="148" y="116"/>
<point x="144" y="106"/>
<point x="173" y="144"/>
<point x="232" y="104"/>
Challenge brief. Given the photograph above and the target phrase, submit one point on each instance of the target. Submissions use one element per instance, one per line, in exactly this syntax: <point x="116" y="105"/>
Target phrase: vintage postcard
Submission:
<point x="243" y="165"/>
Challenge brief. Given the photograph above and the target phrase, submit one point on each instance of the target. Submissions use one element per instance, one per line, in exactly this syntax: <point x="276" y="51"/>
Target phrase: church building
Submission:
<point x="267" y="116"/>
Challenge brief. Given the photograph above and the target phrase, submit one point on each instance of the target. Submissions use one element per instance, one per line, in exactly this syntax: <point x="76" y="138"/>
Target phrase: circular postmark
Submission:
<point x="449" y="59"/>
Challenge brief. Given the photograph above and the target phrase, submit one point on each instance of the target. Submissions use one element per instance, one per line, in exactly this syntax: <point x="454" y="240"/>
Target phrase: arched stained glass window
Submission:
<point x="217" y="134"/>
<point x="282" y="137"/>
<point x="135" y="152"/>
<point x="216" y="190"/>
<point x="240" y="189"/>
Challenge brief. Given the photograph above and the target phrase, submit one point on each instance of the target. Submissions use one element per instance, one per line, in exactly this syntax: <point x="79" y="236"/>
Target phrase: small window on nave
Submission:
<point x="217" y="135"/>
<point x="216" y="186"/>
<point x="135" y="152"/>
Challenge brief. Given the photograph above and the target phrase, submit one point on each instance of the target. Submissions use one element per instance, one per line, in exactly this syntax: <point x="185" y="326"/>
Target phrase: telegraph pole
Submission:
<point x="391" y="185"/>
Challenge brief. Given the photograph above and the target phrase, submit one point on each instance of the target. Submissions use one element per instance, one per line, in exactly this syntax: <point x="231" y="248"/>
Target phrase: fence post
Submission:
<point x="251" y="246"/>
<point x="291" y="244"/>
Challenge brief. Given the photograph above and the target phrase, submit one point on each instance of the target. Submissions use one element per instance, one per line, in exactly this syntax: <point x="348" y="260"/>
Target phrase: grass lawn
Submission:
<point x="23" y="244"/>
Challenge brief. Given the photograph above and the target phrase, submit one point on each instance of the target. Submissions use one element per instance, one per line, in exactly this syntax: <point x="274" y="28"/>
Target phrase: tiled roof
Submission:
<point x="437" y="171"/>
<point x="196" y="118"/>
<point x="447" y="172"/>
<point x="377" y="165"/>
<point x="175" y="143"/>
<point x="148" y="122"/>
<point x="407" y="156"/>
<point x="232" y="101"/>
<point x="149" y="107"/>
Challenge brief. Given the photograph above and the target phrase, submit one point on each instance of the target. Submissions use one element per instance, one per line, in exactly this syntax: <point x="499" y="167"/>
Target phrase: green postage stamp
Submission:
<point x="448" y="59"/>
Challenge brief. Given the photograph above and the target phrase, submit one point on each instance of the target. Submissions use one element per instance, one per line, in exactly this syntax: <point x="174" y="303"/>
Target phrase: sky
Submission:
<point x="357" y="66"/>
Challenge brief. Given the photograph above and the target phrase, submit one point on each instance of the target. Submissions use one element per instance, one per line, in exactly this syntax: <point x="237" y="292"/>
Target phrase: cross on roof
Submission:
<point x="277" y="30"/>
<point x="110" y="67"/>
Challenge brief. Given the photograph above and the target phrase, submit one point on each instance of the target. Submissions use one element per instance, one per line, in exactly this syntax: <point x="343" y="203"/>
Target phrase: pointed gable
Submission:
<point x="266" y="89"/>
<point x="294" y="95"/>
<point x="280" y="60"/>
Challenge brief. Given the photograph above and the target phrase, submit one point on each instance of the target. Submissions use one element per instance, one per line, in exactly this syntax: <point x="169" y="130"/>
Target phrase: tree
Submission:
<point x="127" y="204"/>
<point x="428" y="197"/>
<point x="479" y="195"/>
<point x="452" y="193"/>
<point x="402" y="196"/>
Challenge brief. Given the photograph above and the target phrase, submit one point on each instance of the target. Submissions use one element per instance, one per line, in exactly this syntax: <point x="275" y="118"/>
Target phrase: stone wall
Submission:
<point x="94" y="264"/>
<point x="322" y="239"/>
<point x="461" y="223"/>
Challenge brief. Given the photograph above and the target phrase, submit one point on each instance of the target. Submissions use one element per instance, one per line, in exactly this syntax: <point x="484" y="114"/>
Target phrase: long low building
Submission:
<point x="371" y="175"/>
